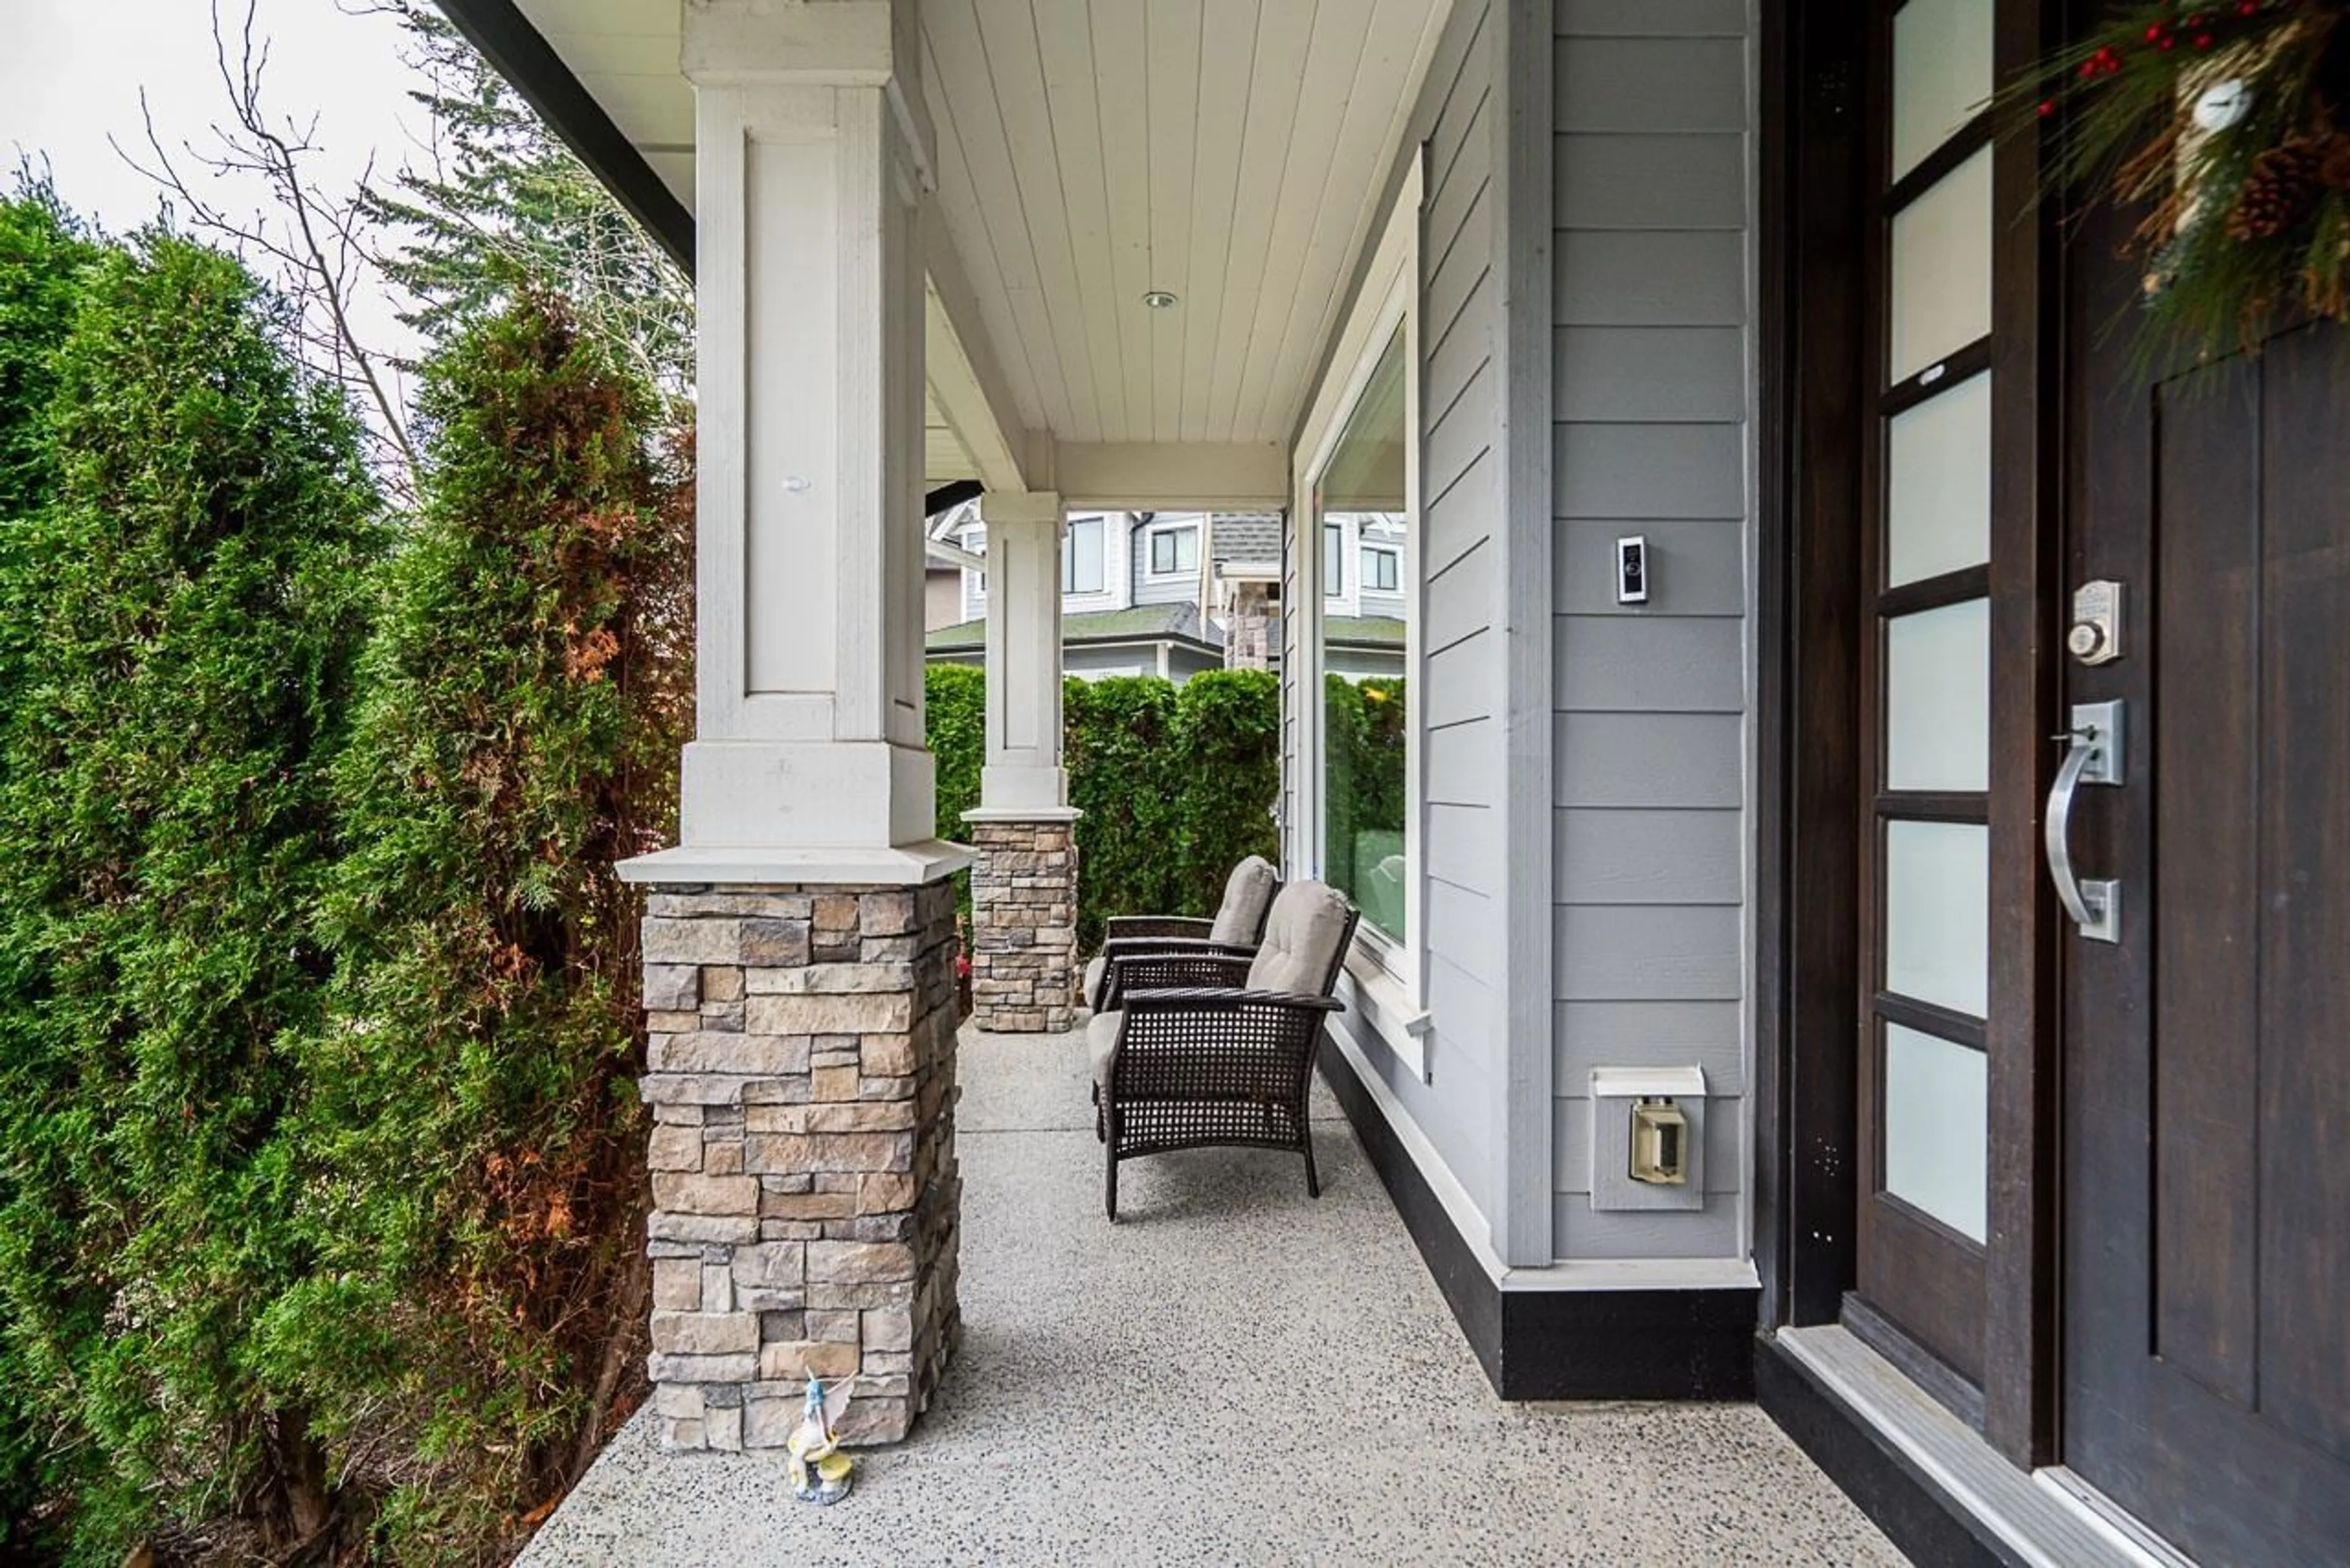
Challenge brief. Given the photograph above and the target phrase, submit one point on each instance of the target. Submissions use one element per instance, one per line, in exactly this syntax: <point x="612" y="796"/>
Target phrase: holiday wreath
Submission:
<point x="2220" y="123"/>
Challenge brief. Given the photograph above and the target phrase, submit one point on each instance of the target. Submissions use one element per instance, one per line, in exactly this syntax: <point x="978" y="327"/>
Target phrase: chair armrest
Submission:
<point x="1219" y="999"/>
<point x="1123" y="926"/>
<point x="1120" y="948"/>
<point x="1157" y="970"/>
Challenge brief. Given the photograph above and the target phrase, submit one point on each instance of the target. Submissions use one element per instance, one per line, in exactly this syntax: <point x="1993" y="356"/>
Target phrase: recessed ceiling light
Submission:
<point x="1159" y="299"/>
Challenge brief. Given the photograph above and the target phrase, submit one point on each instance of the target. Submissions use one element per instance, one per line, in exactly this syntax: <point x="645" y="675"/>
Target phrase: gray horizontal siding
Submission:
<point x="1713" y="1232"/>
<point x="1649" y="182"/>
<point x="1707" y="1034"/>
<point x="1651" y="396"/>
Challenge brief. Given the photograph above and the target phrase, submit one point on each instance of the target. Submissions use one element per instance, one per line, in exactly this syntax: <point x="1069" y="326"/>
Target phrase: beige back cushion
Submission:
<point x="1300" y="952"/>
<point x="1246" y="893"/>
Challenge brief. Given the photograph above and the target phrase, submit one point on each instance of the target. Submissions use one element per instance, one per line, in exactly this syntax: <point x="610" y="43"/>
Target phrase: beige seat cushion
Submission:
<point x="1300" y="952"/>
<point x="1246" y="892"/>
<point x="1101" y="1043"/>
<point x="1094" y="970"/>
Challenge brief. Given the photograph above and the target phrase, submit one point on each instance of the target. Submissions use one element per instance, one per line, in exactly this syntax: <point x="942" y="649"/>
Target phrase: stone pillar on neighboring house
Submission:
<point x="1023" y="885"/>
<point x="799" y="940"/>
<point x="1248" y="627"/>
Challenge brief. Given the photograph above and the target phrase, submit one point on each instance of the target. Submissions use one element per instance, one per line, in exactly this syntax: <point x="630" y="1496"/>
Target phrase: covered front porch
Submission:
<point x="1304" y="1396"/>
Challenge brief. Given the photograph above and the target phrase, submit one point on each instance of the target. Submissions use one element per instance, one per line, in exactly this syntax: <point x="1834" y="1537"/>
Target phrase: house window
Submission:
<point x="1334" y="560"/>
<point x="1378" y="570"/>
<point x="1174" y="550"/>
<point x="1081" y="556"/>
<point x="1366" y="805"/>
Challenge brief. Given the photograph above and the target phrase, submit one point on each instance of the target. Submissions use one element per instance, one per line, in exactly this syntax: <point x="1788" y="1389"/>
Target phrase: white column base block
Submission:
<point x="1023" y="791"/>
<point x="805" y="810"/>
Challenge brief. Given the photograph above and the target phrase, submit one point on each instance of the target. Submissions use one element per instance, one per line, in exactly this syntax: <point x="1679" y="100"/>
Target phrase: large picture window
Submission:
<point x="1366" y="727"/>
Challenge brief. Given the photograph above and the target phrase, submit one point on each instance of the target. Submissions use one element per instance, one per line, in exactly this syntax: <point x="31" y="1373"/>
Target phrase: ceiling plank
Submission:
<point x="1227" y="81"/>
<point x="1276" y="86"/>
<point x="988" y="223"/>
<point x="1340" y="30"/>
<point x="1066" y="42"/>
<point x="1007" y="33"/>
<point x="1120" y="73"/>
<point x="1172" y="88"/>
<point x="1402" y="36"/>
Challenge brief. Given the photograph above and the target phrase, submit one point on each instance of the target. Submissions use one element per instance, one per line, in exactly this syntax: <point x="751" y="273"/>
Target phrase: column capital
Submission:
<point x="785" y="43"/>
<point x="828" y="43"/>
<point x="1017" y="506"/>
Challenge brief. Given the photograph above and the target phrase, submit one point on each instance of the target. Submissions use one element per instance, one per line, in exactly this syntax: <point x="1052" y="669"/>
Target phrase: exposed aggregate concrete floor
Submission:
<point x="1234" y="1374"/>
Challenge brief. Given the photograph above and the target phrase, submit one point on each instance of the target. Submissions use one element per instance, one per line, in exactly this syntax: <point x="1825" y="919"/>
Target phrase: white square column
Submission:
<point x="1023" y="777"/>
<point x="812" y="154"/>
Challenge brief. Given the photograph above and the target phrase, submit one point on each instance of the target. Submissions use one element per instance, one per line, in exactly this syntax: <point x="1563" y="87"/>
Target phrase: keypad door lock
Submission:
<point x="2095" y="637"/>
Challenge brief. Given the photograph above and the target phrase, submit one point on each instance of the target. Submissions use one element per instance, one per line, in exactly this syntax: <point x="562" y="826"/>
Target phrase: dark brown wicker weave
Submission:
<point x="1126" y="935"/>
<point x="1200" y="1062"/>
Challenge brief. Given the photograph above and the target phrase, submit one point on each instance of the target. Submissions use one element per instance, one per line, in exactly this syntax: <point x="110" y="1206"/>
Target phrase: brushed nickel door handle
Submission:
<point x="2094" y="756"/>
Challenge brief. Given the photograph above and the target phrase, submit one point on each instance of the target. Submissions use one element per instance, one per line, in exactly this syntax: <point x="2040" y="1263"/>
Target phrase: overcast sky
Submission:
<point x="71" y="71"/>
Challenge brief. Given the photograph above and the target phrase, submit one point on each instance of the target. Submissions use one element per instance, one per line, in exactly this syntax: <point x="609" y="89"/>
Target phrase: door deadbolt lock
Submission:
<point x="2095" y="637"/>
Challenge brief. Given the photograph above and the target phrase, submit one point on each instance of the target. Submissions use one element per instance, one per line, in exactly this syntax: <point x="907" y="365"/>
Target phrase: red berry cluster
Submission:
<point x="2200" y="31"/>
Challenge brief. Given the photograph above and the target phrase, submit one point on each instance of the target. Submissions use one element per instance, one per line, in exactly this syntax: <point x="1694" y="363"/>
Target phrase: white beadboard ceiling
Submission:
<point x="1229" y="151"/>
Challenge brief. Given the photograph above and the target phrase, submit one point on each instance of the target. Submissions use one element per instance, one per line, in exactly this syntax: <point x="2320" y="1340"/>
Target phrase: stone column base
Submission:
<point x="800" y="1070"/>
<point x="1023" y="926"/>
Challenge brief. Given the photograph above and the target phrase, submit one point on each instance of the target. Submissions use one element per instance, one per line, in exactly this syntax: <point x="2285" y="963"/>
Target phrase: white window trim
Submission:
<point x="1386" y="981"/>
<point x="1150" y="537"/>
<point x="1394" y="553"/>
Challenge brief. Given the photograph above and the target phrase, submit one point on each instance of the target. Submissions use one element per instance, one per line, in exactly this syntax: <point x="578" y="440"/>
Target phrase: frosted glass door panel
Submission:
<point x="1938" y="699"/>
<point x="1937" y="462"/>
<point x="1941" y="268"/>
<point x="1941" y="74"/>
<point x="1938" y="913"/>
<point x="1936" y="1128"/>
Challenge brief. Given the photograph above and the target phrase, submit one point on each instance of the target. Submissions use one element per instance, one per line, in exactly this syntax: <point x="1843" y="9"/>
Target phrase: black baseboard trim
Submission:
<point x="1927" y="1527"/>
<point x="1559" y="1344"/>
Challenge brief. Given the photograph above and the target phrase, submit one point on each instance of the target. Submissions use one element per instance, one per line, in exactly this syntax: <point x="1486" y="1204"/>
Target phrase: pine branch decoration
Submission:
<point x="2216" y="123"/>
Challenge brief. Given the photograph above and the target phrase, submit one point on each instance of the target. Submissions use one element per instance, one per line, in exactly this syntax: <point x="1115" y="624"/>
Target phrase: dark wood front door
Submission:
<point x="2206" y="1079"/>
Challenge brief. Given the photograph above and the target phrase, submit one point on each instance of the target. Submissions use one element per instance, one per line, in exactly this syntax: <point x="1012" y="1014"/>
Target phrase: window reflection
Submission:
<point x="1363" y="510"/>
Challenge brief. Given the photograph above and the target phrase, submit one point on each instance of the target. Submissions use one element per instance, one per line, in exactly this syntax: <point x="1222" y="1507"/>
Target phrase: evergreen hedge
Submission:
<point x="321" y="1172"/>
<point x="1175" y="784"/>
<point x="526" y="695"/>
<point x="192" y="609"/>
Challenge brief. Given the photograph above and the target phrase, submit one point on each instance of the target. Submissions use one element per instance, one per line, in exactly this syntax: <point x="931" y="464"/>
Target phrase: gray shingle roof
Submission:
<point x="1246" y="536"/>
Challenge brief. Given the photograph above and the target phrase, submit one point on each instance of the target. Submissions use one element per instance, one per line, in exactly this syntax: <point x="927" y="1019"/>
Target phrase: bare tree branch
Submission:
<point x="313" y="242"/>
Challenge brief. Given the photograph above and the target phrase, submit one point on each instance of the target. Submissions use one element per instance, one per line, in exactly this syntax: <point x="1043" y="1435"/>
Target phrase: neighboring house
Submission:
<point x="1170" y="593"/>
<point x="1989" y="1091"/>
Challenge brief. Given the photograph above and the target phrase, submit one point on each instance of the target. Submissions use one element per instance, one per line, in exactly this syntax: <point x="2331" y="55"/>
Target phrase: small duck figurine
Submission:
<point x="820" y="1469"/>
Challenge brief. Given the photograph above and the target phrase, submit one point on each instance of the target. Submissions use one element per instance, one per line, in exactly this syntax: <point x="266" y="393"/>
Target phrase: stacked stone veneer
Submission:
<point x="1023" y="926"/>
<point x="800" y="1072"/>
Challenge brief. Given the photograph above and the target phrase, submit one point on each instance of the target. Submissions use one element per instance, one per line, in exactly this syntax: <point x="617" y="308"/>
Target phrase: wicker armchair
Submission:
<point x="1216" y="1048"/>
<point x="1235" y="929"/>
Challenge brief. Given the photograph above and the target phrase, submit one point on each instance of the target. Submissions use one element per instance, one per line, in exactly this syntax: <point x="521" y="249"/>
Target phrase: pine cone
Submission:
<point x="2281" y="186"/>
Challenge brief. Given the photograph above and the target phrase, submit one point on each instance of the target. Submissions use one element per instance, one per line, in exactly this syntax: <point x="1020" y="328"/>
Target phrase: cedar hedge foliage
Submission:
<point x="191" y="612"/>
<point x="1176" y="782"/>
<point x="320" y="1165"/>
